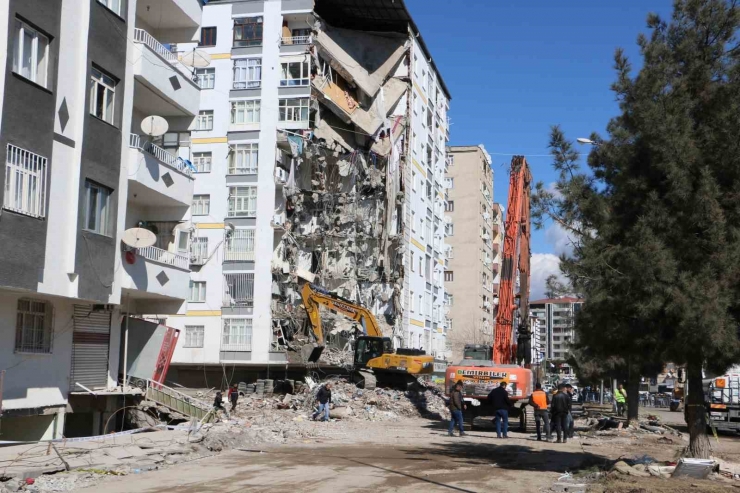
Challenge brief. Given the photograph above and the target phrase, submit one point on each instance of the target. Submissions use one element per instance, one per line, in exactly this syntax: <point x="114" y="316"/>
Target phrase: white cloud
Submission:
<point x="559" y="238"/>
<point x="552" y="188"/>
<point x="542" y="266"/>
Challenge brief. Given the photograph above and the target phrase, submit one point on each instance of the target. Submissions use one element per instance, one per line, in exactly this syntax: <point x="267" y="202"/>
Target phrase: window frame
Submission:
<point x="241" y="25"/>
<point x="28" y="170"/>
<point x="21" y="28"/>
<point x="255" y="111"/>
<point x="207" y="116"/>
<point x="45" y="345"/>
<point x="203" y="202"/>
<point x="206" y="74"/>
<point x="103" y="226"/>
<point x="249" y="199"/>
<point x="240" y="246"/>
<point x="109" y="88"/>
<point x="249" y="67"/>
<point x="237" y="342"/>
<point x="105" y="3"/>
<point x="449" y="276"/>
<point x="196" y="332"/>
<point x="305" y="77"/>
<point x="201" y="160"/>
<point x="449" y="206"/>
<point x="249" y="152"/>
<point x="199" y="288"/>
<point x="208" y="29"/>
<point x="284" y="109"/>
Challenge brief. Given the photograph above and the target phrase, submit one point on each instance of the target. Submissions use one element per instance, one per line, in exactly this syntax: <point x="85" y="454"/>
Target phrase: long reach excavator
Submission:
<point x="484" y="367"/>
<point x="375" y="360"/>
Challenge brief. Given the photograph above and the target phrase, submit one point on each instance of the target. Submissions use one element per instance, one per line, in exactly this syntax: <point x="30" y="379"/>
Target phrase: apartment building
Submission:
<point x="319" y="150"/>
<point x="555" y="318"/>
<point x="79" y="75"/>
<point x="472" y="249"/>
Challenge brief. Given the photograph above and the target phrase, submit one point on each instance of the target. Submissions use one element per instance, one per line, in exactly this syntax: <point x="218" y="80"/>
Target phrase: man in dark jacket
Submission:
<point x="559" y="408"/>
<point x="569" y="420"/>
<point x="457" y="405"/>
<point x="233" y="396"/>
<point x="323" y="398"/>
<point x="218" y="405"/>
<point x="499" y="400"/>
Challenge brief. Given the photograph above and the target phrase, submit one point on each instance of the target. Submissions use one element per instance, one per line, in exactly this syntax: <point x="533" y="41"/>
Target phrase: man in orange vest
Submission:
<point x="539" y="401"/>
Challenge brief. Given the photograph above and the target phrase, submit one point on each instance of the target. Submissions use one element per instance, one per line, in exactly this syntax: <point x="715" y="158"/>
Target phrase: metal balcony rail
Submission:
<point x="164" y="257"/>
<point x="240" y="246"/>
<point x="238" y="290"/>
<point x="163" y="156"/>
<point x="296" y="40"/>
<point x="175" y="400"/>
<point x="143" y="37"/>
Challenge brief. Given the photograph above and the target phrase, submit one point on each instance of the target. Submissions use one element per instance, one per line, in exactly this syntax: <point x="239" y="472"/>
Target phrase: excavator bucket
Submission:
<point x="312" y="352"/>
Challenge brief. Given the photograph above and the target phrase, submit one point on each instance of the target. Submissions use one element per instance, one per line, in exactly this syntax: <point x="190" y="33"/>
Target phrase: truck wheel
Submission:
<point x="469" y="418"/>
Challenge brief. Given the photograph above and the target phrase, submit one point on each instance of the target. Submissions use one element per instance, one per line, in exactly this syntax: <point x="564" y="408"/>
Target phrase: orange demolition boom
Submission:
<point x="515" y="256"/>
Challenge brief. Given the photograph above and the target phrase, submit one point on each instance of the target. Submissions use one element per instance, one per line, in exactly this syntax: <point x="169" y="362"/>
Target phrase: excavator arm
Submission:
<point x="315" y="296"/>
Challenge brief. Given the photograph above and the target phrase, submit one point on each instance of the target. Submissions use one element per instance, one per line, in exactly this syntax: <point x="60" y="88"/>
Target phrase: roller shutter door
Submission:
<point x="90" y="345"/>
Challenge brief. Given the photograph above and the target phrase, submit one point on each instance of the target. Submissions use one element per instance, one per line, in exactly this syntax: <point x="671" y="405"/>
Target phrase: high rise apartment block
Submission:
<point x="555" y="318"/>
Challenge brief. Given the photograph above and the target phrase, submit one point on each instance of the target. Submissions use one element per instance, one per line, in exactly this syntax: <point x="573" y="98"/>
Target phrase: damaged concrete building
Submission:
<point x="321" y="158"/>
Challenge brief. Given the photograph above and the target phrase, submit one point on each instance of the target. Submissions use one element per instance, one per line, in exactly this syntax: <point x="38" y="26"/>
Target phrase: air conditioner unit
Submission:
<point x="278" y="220"/>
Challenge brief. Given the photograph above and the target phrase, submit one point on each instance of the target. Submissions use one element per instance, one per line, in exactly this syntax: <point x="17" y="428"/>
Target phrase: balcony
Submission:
<point x="295" y="40"/>
<point x="163" y="85"/>
<point x="156" y="177"/>
<point x="176" y="20"/>
<point x="157" y="280"/>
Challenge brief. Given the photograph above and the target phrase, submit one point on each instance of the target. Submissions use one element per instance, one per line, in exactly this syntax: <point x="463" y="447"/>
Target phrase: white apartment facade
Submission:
<point x="555" y="317"/>
<point x="75" y="178"/>
<point x="298" y="150"/>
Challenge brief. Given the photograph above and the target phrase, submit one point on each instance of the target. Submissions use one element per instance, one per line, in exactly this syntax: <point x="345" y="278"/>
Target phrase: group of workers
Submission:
<point x="560" y="407"/>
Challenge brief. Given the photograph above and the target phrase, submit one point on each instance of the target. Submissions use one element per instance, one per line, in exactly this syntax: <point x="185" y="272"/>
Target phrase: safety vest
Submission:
<point x="619" y="396"/>
<point x="540" y="398"/>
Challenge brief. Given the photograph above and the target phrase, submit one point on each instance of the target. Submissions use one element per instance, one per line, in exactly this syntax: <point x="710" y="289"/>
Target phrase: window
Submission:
<point x="449" y="183"/>
<point x="199" y="250"/>
<point x="294" y="74"/>
<point x="237" y="334"/>
<point x="412" y="262"/>
<point x="98" y="209"/>
<point x="429" y="191"/>
<point x="114" y="5"/>
<point x="207" y="36"/>
<point x="197" y="291"/>
<point x="413" y="180"/>
<point x="449" y="276"/>
<point x="450" y="229"/>
<point x="421" y="265"/>
<point x="411" y="293"/>
<point x="450" y="206"/>
<point x="247" y="73"/>
<point x="194" y="335"/>
<point x="31" y="53"/>
<point x="245" y="111"/>
<point x="242" y="201"/>
<point x="201" y="205"/>
<point x="240" y="245"/>
<point x="102" y="96"/>
<point x="416" y="65"/>
<point x="204" y="120"/>
<point x="450" y="160"/>
<point x="293" y="110"/>
<point x="243" y="159"/>
<point x="202" y="162"/>
<point x="206" y="77"/>
<point x="239" y="290"/>
<point x="450" y="300"/>
<point x="420" y="306"/>
<point x="33" y="330"/>
<point x="25" y="182"/>
<point x="413" y="220"/>
<point x="248" y="31"/>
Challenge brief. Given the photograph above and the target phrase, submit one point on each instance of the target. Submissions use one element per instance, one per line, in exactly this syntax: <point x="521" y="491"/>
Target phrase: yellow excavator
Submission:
<point x="375" y="359"/>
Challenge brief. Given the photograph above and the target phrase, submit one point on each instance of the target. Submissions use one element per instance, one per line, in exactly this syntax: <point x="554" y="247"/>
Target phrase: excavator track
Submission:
<point x="368" y="379"/>
<point x="527" y="422"/>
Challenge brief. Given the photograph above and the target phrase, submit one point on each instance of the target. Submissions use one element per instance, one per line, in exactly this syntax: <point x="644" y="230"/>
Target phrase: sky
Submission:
<point x="515" y="68"/>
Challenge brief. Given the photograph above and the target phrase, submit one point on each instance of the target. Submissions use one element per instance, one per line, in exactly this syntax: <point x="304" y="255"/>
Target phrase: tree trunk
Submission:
<point x="633" y="395"/>
<point x="696" y="414"/>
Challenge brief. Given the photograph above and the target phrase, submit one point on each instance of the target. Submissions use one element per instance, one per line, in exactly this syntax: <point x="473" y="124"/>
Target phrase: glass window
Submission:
<point x="202" y="162"/>
<point x="25" y="182"/>
<point x="295" y="73"/>
<point x="197" y="291"/>
<point x="248" y="31"/>
<point x="247" y="73"/>
<point x="242" y="201"/>
<point x="207" y="36"/>
<point x="240" y="245"/>
<point x="293" y="110"/>
<point x="114" y="5"/>
<point x="201" y="205"/>
<point x="205" y="120"/>
<point x="450" y="206"/>
<point x="237" y="334"/>
<point x="449" y="276"/>
<point x="245" y="111"/>
<point x="33" y="328"/>
<point x="98" y="209"/>
<point x="102" y="96"/>
<point x="206" y="77"/>
<point x="31" y="53"/>
<point x="243" y="159"/>
<point x="194" y="335"/>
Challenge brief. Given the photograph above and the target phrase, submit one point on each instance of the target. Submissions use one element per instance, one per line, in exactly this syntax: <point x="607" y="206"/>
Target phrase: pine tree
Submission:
<point x="658" y="216"/>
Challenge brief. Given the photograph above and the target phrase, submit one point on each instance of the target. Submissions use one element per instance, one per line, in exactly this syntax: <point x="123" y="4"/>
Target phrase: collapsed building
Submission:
<point x="349" y="115"/>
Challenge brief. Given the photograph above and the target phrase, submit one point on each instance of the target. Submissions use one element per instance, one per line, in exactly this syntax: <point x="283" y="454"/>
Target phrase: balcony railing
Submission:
<point x="296" y="40"/>
<point x="143" y="37"/>
<point x="135" y="141"/>
<point x="164" y="257"/>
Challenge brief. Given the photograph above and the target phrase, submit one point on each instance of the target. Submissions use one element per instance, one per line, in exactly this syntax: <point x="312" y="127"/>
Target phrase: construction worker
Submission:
<point x="233" y="396"/>
<point x="620" y="396"/>
<point x="559" y="408"/>
<point x="323" y="398"/>
<point x="218" y="405"/>
<point x="499" y="399"/>
<point x="539" y="400"/>
<point x="457" y="405"/>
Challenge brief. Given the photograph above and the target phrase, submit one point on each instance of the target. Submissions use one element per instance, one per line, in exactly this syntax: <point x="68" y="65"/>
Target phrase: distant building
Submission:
<point x="555" y="317"/>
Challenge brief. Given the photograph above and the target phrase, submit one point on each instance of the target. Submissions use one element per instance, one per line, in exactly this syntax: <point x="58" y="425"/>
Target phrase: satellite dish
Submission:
<point x="139" y="238"/>
<point x="154" y="126"/>
<point x="196" y="58"/>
